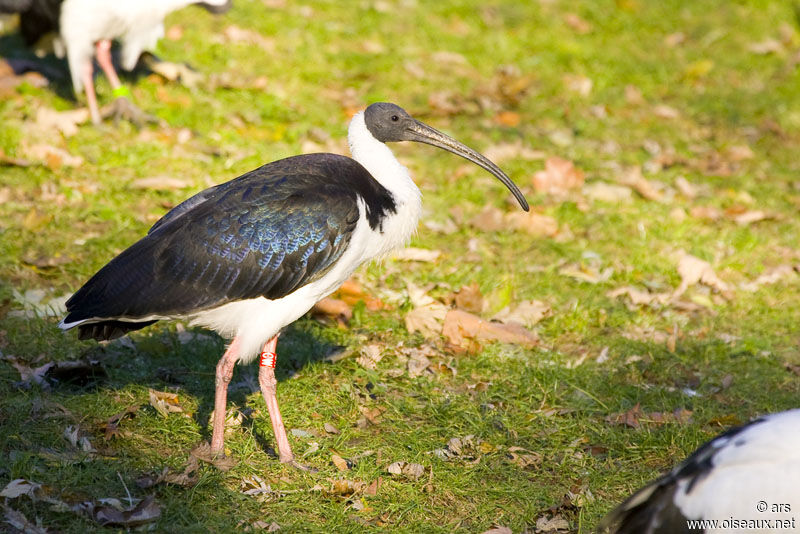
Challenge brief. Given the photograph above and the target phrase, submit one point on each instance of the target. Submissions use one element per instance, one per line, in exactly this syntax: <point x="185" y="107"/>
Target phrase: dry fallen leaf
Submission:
<point x="639" y="297"/>
<point x="633" y="178"/>
<point x="460" y="328"/>
<point x="370" y="356"/>
<point x="489" y="220"/>
<point x="526" y="313"/>
<point x="498" y="530"/>
<point x="772" y="276"/>
<point x="693" y="270"/>
<point x="469" y="298"/>
<point x="53" y="157"/>
<point x="64" y="121"/>
<point x="164" y="402"/>
<point x="339" y="462"/>
<point x="606" y="192"/>
<point x="411" y="470"/>
<point x="334" y="308"/>
<point x="558" y="177"/>
<point x="533" y="223"/>
<point x="21" y="523"/>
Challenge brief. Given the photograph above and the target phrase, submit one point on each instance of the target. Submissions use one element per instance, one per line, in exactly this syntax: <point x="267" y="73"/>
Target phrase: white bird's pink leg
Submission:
<point x="103" y="51"/>
<point x="268" y="383"/>
<point x="88" y="86"/>
<point x="223" y="378"/>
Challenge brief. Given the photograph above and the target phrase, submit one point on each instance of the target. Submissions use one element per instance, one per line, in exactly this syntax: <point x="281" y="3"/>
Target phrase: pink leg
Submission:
<point x="88" y="85"/>
<point x="103" y="50"/>
<point x="268" y="383"/>
<point x="223" y="378"/>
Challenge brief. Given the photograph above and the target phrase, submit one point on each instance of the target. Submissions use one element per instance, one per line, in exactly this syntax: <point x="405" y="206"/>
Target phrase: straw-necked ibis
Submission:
<point x="249" y="256"/>
<point x="745" y="479"/>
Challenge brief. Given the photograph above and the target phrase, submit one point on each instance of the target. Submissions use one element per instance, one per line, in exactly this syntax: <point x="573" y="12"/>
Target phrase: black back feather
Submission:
<point x="266" y="233"/>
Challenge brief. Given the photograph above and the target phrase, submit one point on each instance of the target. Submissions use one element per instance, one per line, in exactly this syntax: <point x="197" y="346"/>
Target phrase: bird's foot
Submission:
<point x="123" y="108"/>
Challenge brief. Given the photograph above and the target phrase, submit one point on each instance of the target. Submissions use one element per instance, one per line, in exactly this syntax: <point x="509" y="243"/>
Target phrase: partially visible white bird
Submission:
<point x="746" y="479"/>
<point x="87" y="28"/>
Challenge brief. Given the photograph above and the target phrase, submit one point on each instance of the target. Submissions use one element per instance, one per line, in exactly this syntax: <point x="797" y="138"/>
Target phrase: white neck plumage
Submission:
<point x="379" y="160"/>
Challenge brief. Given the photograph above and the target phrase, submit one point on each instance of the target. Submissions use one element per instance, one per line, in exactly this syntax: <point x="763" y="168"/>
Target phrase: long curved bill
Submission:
<point x="422" y="133"/>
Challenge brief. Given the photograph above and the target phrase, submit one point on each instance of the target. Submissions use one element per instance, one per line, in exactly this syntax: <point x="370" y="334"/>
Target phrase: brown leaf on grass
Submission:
<point x="524" y="458"/>
<point x="578" y="84"/>
<point x="111" y="427"/>
<point x="373" y="414"/>
<point x="498" y="530"/>
<point x="188" y="478"/>
<point x="374" y="486"/>
<point x="632" y="177"/>
<point x="346" y="487"/>
<point x="526" y="313"/>
<point x="21" y="523"/>
<point x="53" y="157"/>
<point x="515" y="150"/>
<point x="547" y="524"/>
<point x="558" y="177"/>
<point x="508" y="118"/>
<point x="664" y="111"/>
<point x="370" y="356"/>
<point x="633" y="95"/>
<point x="203" y="453"/>
<point x="628" y="418"/>
<point x="19" y="487"/>
<point x="331" y="429"/>
<point x="340" y="463"/>
<point x="533" y="223"/>
<point x="410" y="470"/>
<point x="333" y="308"/>
<point x="606" y="192"/>
<point x="586" y="273"/>
<point x="490" y="219"/>
<point x="462" y="328"/>
<point x="693" y="270"/>
<point x="164" y="402"/>
<point x="469" y="298"/>
<point x="418" y="363"/>
<point x="639" y="297"/>
<point x="64" y="121"/>
<point x="709" y="213"/>
<point x="634" y="417"/>
<point x="751" y="216"/>
<point x="236" y="34"/>
<point x="161" y="183"/>
<point x="427" y="315"/>
<point x="147" y="511"/>
<point x="772" y="276"/>
<point x="674" y="39"/>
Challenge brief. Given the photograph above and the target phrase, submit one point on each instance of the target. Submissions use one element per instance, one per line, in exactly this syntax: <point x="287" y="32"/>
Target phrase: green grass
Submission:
<point x="57" y="227"/>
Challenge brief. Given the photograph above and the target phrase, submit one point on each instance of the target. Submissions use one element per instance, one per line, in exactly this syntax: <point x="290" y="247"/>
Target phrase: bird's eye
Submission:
<point x="395" y="118"/>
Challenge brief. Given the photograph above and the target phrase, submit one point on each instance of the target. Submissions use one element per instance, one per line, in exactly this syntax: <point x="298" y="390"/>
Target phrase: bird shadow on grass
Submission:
<point x="22" y="59"/>
<point x="185" y="362"/>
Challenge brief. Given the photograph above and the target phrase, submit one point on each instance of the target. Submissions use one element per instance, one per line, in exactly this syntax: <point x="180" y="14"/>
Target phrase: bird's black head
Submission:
<point x="389" y="123"/>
